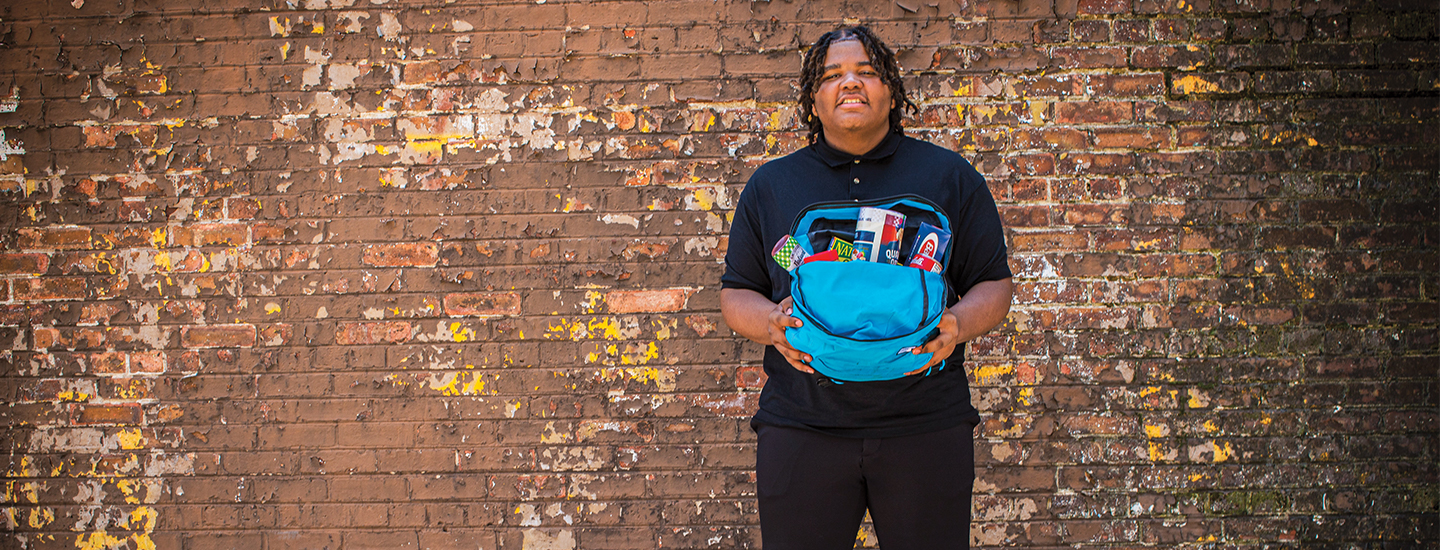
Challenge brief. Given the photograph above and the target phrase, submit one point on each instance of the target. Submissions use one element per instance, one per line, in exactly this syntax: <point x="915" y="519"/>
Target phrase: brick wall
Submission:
<point x="383" y="274"/>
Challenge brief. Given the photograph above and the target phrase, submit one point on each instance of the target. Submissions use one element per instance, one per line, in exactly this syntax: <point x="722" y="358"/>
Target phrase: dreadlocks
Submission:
<point x="880" y="57"/>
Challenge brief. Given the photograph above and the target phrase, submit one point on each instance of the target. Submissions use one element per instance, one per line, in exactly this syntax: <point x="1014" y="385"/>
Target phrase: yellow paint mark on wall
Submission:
<point x="128" y="487"/>
<point x="130" y="439"/>
<point x="776" y="122"/>
<point x="1026" y="396"/>
<point x="454" y="384"/>
<point x="73" y="396"/>
<point x="664" y="380"/>
<point x="592" y="301"/>
<point x="988" y="373"/>
<point x="664" y="327"/>
<point x="272" y="308"/>
<point x="461" y="334"/>
<point x="1192" y="84"/>
<point x="1288" y="137"/>
<point x="98" y="540"/>
<point x="1155" y="450"/>
<point x="1037" y="112"/>
<point x="40" y="517"/>
<point x="704" y="199"/>
<point x="1156" y="430"/>
<point x="277" y="29"/>
<point x="639" y="358"/>
<point x="986" y="112"/>
<point x="1223" y="453"/>
<point x="549" y="435"/>
<point x="608" y="328"/>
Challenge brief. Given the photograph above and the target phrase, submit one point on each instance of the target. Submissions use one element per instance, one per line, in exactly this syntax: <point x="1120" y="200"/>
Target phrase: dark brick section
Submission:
<point x="389" y="275"/>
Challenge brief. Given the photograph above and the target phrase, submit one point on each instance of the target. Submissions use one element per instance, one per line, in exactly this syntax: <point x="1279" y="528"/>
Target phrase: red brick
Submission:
<point x="482" y="304"/>
<point x="1049" y="240"/>
<point x="147" y="362"/>
<point x="647" y="301"/>
<point x="107" y="414"/>
<point x="209" y="234"/>
<point x="24" y="263"/>
<point x="278" y="334"/>
<point x="1096" y="163"/>
<point x="1291" y="82"/>
<point x="45" y="338"/>
<point x="1209" y="83"/>
<point x="1082" y="112"/>
<point x="1133" y="138"/>
<point x="127" y="389"/>
<point x="1033" y="165"/>
<point x="1091" y="30"/>
<point x="108" y="363"/>
<point x="402" y="255"/>
<point x="55" y="238"/>
<point x="218" y="336"/>
<point x="1188" y="58"/>
<point x="1087" y="57"/>
<point x="372" y="333"/>
<point x="750" y="378"/>
<point x="1103" y="7"/>
<point x="1126" y="85"/>
<point x="50" y="288"/>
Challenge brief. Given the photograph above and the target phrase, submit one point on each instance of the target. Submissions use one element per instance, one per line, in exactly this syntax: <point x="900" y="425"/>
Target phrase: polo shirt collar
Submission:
<point x="835" y="157"/>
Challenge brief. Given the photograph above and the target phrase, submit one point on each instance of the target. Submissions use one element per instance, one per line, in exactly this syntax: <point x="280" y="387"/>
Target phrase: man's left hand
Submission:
<point x="942" y="345"/>
<point x="983" y="307"/>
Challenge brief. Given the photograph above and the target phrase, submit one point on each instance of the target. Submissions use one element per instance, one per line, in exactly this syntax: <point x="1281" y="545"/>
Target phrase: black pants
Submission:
<point x="814" y="489"/>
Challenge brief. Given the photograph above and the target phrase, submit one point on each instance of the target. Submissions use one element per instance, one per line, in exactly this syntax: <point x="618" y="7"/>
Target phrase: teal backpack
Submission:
<point x="863" y="319"/>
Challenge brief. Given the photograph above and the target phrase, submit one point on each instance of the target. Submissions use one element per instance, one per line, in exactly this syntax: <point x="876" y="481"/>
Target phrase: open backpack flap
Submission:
<point x="863" y="319"/>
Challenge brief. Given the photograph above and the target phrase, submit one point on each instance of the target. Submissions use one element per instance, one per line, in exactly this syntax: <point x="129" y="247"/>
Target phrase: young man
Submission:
<point x="903" y="449"/>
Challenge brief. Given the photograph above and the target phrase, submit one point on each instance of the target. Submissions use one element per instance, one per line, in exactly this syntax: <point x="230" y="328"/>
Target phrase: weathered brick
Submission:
<point x="482" y="304"/>
<point x="210" y="235"/>
<point x="1109" y="112"/>
<point x="1103" y="7"/>
<point x="218" y="336"/>
<point x="24" y="263"/>
<point x="647" y="301"/>
<point x="50" y="288"/>
<point x="106" y="414"/>
<point x="1294" y="82"/>
<point x="55" y="238"/>
<point x="1209" y="83"/>
<point x="402" y="255"/>
<point x="372" y="333"/>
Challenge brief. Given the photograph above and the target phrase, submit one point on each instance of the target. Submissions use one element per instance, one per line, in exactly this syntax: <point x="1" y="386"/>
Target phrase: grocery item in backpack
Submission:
<point x="788" y="253"/>
<point x="929" y="250"/>
<point x="843" y="249"/>
<point x="877" y="235"/>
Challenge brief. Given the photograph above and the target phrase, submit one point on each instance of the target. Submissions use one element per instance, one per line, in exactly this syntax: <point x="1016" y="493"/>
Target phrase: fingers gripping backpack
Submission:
<point x="862" y="319"/>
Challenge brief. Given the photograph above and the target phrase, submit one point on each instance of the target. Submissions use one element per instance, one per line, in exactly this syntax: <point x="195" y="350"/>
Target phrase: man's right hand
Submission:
<point x="754" y="316"/>
<point x="780" y="320"/>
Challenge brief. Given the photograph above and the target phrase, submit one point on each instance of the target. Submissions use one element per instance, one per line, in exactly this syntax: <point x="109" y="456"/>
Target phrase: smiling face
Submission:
<point x="852" y="100"/>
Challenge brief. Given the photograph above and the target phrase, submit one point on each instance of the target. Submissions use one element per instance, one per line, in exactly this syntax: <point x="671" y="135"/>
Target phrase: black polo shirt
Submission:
<point x="898" y="165"/>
